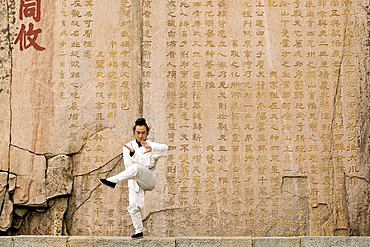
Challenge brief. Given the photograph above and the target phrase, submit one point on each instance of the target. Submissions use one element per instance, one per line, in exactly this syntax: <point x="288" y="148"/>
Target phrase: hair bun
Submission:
<point x="140" y="121"/>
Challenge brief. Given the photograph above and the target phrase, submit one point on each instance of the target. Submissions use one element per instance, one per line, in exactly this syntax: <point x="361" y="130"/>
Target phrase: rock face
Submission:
<point x="264" y="106"/>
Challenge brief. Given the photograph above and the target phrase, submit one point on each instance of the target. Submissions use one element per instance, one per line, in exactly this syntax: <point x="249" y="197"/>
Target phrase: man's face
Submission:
<point x="141" y="133"/>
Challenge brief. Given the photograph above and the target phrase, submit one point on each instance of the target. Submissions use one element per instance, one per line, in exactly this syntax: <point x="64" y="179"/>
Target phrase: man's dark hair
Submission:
<point x="141" y="122"/>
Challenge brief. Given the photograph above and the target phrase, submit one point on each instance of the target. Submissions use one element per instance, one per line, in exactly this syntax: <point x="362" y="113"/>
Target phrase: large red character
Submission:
<point x="27" y="38"/>
<point x="30" y="8"/>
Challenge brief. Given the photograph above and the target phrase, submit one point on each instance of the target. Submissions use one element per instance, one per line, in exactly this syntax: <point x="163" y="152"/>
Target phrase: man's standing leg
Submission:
<point x="136" y="205"/>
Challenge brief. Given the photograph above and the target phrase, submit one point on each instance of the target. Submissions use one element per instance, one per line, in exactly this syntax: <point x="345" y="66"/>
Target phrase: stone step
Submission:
<point x="83" y="241"/>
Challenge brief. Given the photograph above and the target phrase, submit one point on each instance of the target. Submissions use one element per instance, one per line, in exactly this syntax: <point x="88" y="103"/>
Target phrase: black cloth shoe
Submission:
<point x="137" y="235"/>
<point x="106" y="182"/>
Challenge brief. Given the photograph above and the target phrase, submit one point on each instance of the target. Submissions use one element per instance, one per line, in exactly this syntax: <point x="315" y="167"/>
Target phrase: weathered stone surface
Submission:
<point x="47" y="220"/>
<point x="6" y="241"/>
<point x="357" y="185"/>
<point x="78" y="241"/>
<point x="264" y="106"/>
<point x="260" y="114"/>
<point x="215" y="241"/>
<point x="6" y="217"/>
<point x="5" y="222"/>
<point x="276" y="242"/>
<point x="358" y="197"/>
<point x="30" y="182"/>
<point x="93" y="207"/>
<point x="40" y="241"/>
<point x="59" y="178"/>
<point x="6" y="13"/>
<point x="119" y="241"/>
<point x="335" y="241"/>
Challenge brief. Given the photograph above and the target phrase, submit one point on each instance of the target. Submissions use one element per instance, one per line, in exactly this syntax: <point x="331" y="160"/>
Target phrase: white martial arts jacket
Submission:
<point x="149" y="160"/>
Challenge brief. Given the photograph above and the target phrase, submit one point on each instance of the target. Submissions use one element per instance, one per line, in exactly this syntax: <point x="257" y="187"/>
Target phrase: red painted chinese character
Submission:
<point x="37" y="231"/>
<point x="30" y="8"/>
<point x="26" y="39"/>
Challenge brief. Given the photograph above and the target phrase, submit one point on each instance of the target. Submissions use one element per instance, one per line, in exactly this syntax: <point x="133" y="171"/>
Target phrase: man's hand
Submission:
<point x="128" y="146"/>
<point x="147" y="147"/>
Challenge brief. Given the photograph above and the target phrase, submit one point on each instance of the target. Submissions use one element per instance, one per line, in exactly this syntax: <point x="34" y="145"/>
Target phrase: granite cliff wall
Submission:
<point x="264" y="105"/>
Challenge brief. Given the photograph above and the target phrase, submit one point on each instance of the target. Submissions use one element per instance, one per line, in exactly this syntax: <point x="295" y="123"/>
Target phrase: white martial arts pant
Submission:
<point x="140" y="179"/>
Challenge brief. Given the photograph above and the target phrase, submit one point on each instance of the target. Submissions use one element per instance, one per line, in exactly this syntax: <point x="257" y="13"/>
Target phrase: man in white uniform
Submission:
<point x="140" y="157"/>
